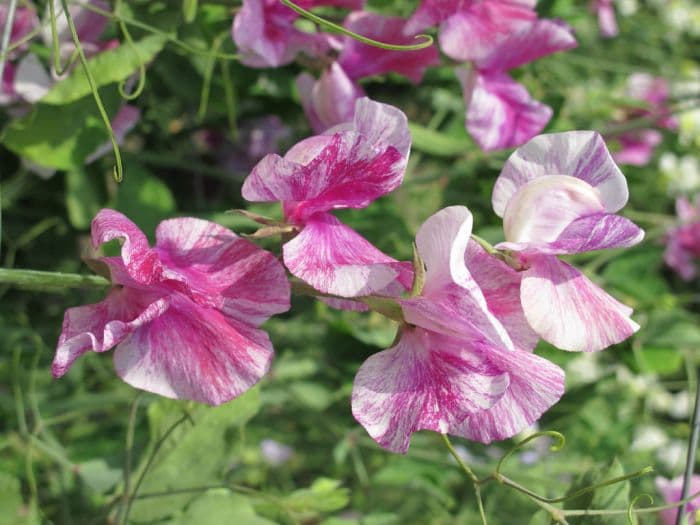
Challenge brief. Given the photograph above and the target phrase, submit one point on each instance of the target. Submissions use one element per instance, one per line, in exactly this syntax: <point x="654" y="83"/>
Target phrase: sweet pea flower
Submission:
<point x="25" y="21"/>
<point x="330" y="100"/>
<point x="607" y="23"/>
<point x="671" y="491"/>
<point x="265" y="34"/>
<point x="558" y="195"/>
<point x="455" y="369"/>
<point x="637" y="146"/>
<point x="183" y="315"/>
<point x="348" y="167"/>
<point x="683" y="241"/>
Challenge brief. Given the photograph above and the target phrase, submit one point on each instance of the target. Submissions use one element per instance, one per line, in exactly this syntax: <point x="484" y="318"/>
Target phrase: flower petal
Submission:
<point x="637" y="148"/>
<point x="580" y="154"/>
<point x="334" y="259"/>
<point x="88" y="24"/>
<point x="362" y="60"/>
<point x="222" y="270"/>
<point x="31" y="80"/>
<point x="671" y="491"/>
<point x="500" y="112"/>
<point x="569" y="311"/>
<point x="382" y="125"/>
<point x="100" y="326"/>
<point x="535" y="384"/>
<point x="194" y="352"/>
<point x="425" y="382"/>
<point x="141" y="262"/>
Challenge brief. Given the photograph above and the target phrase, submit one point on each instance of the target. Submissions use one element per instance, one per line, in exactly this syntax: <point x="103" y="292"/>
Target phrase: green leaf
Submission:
<point x="194" y="455"/>
<point x="660" y="360"/>
<point x="98" y="475"/>
<point x="615" y="496"/>
<point x="217" y="507"/>
<point x="61" y="137"/>
<point x="12" y="508"/>
<point x="436" y="143"/>
<point x="648" y="284"/>
<point x="83" y="198"/>
<point x="324" y="495"/>
<point x="312" y="395"/>
<point x="107" y="67"/>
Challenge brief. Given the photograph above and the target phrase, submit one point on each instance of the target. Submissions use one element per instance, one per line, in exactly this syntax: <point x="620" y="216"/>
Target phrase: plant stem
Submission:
<point x="470" y="474"/>
<point x="53" y="281"/>
<point x="692" y="449"/>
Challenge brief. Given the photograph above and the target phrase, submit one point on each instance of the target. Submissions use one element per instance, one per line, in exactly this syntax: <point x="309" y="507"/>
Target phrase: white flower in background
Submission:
<point x="627" y="7"/>
<point x="648" y="438"/>
<point x="584" y="368"/>
<point x="275" y="453"/>
<point x="682" y="175"/>
<point x="672" y="455"/>
<point x="680" y="406"/>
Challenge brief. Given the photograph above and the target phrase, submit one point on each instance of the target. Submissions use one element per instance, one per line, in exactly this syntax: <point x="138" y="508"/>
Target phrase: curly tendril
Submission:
<point x="141" y="84"/>
<point x="427" y="39"/>
<point x="57" y="66"/>
<point x="556" y="447"/>
<point x="631" y="510"/>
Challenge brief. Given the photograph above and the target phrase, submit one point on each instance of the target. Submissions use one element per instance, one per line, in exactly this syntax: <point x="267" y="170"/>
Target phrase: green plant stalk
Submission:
<point x="50" y="281"/>
<point x="692" y="450"/>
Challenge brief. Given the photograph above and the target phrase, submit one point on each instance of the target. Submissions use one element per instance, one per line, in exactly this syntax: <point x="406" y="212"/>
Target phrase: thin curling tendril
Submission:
<point x="55" y="44"/>
<point x="118" y="169"/>
<point x="142" y="67"/>
<point x="556" y="447"/>
<point x="630" y="509"/>
<point x="427" y="39"/>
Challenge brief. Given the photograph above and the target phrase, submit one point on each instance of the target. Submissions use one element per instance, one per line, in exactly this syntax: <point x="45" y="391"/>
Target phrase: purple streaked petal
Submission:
<point x="349" y="172"/>
<point x="679" y="258"/>
<point x="527" y="43"/>
<point x="425" y="382"/>
<point x="100" y="326"/>
<point x="500" y="112"/>
<point x="580" y="154"/>
<point x="222" y="270"/>
<point x="334" y="259"/>
<point x="535" y="385"/>
<point x="142" y="263"/>
<point x="472" y="34"/>
<point x="569" y="311"/>
<point x="382" y="125"/>
<point x="330" y="100"/>
<point x="362" y="60"/>
<point x="500" y="285"/>
<point x="194" y="352"/>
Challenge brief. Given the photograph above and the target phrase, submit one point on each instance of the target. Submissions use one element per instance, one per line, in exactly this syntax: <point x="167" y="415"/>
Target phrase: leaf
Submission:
<point x="647" y="284"/>
<point x="110" y="66"/>
<point x="436" y="143"/>
<point x="83" y="198"/>
<point x="61" y="137"/>
<point x="312" y="395"/>
<point x="660" y="360"/>
<point x="610" y="497"/>
<point x="216" y="507"/>
<point x="194" y="455"/>
<point x="324" y="495"/>
<point x="98" y="475"/>
<point x="12" y="508"/>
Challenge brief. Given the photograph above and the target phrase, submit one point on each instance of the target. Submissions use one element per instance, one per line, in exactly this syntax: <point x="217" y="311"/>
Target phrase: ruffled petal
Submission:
<point x="425" y="382"/>
<point x="100" y="326"/>
<point x="580" y="154"/>
<point x="500" y="112"/>
<point x="194" y="352"/>
<point x="569" y="311"/>
<point x="141" y="262"/>
<point x="362" y="60"/>
<point x="382" y="125"/>
<point x="222" y="270"/>
<point x="349" y="172"/>
<point x="586" y="234"/>
<point x="500" y="285"/>
<point x="535" y="384"/>
<point x="334" y="259"/>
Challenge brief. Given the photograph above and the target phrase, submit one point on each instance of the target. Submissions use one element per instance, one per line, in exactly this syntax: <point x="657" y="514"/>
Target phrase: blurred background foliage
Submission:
<point x="289" y="451"/>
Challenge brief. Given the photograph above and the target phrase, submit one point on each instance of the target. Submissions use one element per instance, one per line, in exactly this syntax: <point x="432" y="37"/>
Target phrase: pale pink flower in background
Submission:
<point x="265" y="34"/>
<point x="671" y="490"/>
<point x="607" y="22"/>
<point x="558" y="195"/>
<point x="455" y="369"/>
<point x="349" y="167"/>
<point x="182" y="316"/>
<point x="683" y="242"/>
<point x="275" y="453"/>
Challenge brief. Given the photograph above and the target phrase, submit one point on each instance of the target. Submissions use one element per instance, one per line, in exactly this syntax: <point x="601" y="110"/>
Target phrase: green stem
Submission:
<point x="142" y="66"/>
<point x="470" y="474"/>
<point x="53" y="281"/>
<point x="427" y="42"/>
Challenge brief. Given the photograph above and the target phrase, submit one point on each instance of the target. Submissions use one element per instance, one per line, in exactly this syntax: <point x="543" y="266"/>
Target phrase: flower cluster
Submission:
<point x="489" y="37"/>
<point x="184" y="315"/>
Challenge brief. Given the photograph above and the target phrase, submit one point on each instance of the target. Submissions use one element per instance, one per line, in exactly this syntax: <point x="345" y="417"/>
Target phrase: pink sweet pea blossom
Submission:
<point x="558" y="195"/>
<point x="671" y="490"/>
<point x="265" y="34"/>
<point x="606" y="17"/>
<point x="349" y="167"/>
<point x="24" y="22"/>
<point x="455" y="369"/>
<point x="637" y="146"/>
<point x="683" y="242"/>
<point x="183" y="315"/>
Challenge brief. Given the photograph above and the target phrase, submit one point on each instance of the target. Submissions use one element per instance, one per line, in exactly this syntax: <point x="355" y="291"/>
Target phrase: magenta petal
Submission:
<point x="535" y="385"/>
<point x="141" y="262"/>
<point x="194" y="352"/>
<point x="330" y="100"/>
<point x="88" y="24"/>
<point x="500" y="112"/>
<point x="362" y="60"/>
<point x="671" y="491"/>
<point x="100" y="326"/>
<point x="425" y="382"/>
<point x="382" y="125"/>
<point x="678" y="257"/>
<point x="637" y="148"/>
<point x="528" y="43"/>
<point x="500" y="285"/>
<point x="580" y="154"/>
<point x="569" y="311"/>
<point x="334" y="259"/>
<point x="607" y="22"/>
